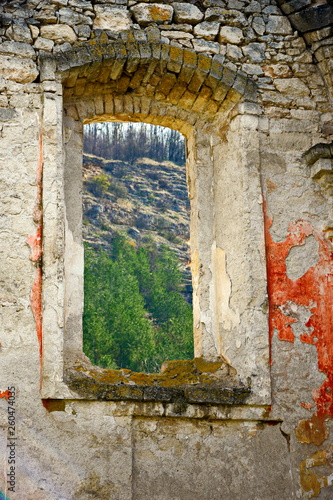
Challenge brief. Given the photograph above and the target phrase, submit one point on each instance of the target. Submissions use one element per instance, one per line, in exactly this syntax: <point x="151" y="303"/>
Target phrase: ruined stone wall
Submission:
<point x="249" y="85"/>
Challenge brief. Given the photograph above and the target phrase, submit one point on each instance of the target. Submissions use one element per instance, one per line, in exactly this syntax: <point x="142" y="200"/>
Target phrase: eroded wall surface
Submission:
<point x="249" y="84"/>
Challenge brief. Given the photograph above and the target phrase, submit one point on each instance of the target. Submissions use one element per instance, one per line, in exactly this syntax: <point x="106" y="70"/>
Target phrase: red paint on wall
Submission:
<point x="5" y="394"/>
<point x="36" y="244"/>
<point x="313" y="290"/>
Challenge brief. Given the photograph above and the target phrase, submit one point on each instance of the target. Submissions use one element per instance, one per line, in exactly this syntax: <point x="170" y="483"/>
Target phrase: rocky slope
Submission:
<point x="144" y="201"/>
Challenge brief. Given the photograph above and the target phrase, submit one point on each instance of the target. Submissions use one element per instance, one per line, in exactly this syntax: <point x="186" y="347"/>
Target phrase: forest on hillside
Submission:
<point x="128" y="141"/>
<point x="135" y="312"/>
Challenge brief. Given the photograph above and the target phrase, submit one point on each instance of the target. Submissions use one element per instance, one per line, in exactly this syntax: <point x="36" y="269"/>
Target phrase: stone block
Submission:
<point x="111" y="18"/>
<point x="176" y="35"/>
<point x="291" y="86"/>
<point x="278" y="25"/>
<point x="59" y="33"/>
<point x="255" y="51"/>
<point x="201" y="45"/>
<point x="145" y="14"/>
<point x="19" y="32"/>
<point x="206" y="30"/>
<point x="44" y="44"/>
<point x="17" y="48"/>
<point x="322" y="167"/>
<point x="18" y="69"/>
<point x="228" y="34"/>
<point x="258" y="25"/>
<point x="187" y="13"/>
<point x="314" y="18"/>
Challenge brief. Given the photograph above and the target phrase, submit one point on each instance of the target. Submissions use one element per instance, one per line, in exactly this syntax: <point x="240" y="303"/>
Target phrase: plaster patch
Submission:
<point x="301" y="258"/>
<point x="227" y="317"/>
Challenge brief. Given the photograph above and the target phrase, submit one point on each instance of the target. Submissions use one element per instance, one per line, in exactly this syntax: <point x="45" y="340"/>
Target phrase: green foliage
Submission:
<point x="102" y="184"/>
<point x="99" y="185"/>
<point x="135" y="315"/>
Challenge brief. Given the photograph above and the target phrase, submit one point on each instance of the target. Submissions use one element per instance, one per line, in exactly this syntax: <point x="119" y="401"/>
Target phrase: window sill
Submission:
<point x="189" y="382"/>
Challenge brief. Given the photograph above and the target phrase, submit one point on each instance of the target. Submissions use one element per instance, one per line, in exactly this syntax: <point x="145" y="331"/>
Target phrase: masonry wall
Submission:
<point x="249" y="85"/>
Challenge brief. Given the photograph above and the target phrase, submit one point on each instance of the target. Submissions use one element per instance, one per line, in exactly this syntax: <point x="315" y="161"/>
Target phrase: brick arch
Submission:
<point x="173" y="76"/>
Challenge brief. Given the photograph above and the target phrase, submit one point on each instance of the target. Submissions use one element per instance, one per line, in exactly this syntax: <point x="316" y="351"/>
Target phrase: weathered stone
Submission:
<point x="44" y="44"/>
<point x="278" y="70"/>
<point x="253" y="7"/>
<point x="206" y="30"/>
<point x="69" y="16"/>
<point x="228" y="17"/>
<point x="111" y="18"/>
<point x="19" y="32"/>
<point x="145" y="14"/>
<point x="278" y="25"/>
<point x="234" y="52"/>
<point x="258" y="24"/>
<point x="187" y="28"/>
<point x="187" y="13"/>
<point x="314" y="18"/>
<point x="229" y="34"/>
<point x="255" y="51"/>
<point x="81" y="4"/>
<point x="34" y="31"/>
<point x="18" y="69"/>
<point x="201" y="45"/>
<point x="17" y="48"/>
<point x="177" y="35"/>
<point x="291" y="86"/>
<point x="59" y="33"/>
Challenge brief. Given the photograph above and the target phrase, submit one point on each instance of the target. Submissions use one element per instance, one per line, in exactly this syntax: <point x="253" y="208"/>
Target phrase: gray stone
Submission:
<point x="44" y="44"/>
<point x="69" y="16"/>
<point x="7" y="114"/>
<point x="258" y="24"/>
<point x="234" y="52"/>
<point x="17" y="48"/>
<point x="82" y="4"/>
<point x="145" y="14"/>
<point x="255" y="51"/>
<point x="253" y="7"/>
<point x="201" y="45"/>
<point x="278" y="25"/>
<point x="206" y="30"/>
<point x="187" y="13"/>
<point x="314" y="18"/>
<point x="83" y="31"/>
<point x="19" y="32"/>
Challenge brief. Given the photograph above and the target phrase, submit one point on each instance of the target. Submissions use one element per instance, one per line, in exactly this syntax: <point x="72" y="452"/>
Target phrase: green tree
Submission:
<point x="135" y="315"/>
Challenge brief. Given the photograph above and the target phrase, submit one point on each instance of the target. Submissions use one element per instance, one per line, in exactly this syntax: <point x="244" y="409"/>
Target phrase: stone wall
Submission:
<point x="250" y="417"/>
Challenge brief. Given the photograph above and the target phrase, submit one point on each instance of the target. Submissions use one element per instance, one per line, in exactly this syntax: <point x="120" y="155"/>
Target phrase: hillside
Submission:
<point x="144" y="200"/>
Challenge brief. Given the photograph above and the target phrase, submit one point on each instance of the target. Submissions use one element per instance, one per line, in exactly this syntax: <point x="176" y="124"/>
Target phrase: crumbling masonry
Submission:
<point x="249" y="84"/>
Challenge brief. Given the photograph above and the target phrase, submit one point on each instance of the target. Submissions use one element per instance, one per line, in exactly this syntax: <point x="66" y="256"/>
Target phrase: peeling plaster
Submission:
<point x="36" y="245"/>
<point x="314" y="291"/>
<point x="311" y="482"/>
<point x="5" y="394"/>
<point x="308" y="298"/>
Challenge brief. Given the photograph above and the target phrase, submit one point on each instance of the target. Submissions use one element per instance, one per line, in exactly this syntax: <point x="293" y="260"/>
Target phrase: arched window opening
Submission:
<point x="137" y="279"/>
